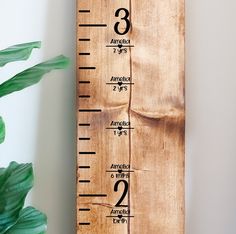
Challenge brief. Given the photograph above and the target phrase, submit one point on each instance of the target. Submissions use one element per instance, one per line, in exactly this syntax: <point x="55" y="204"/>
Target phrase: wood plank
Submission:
<point x="157" y="112"/>
<point x="154" y="105"/>
<point x="108" y="149"/>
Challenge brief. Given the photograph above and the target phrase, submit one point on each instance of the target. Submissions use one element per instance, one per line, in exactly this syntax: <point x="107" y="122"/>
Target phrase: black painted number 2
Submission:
<point x="119" y="203"/>
<point x="125" y="18"/>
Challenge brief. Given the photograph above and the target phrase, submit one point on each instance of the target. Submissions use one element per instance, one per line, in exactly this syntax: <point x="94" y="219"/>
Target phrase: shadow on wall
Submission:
<point x="55" y="165"/>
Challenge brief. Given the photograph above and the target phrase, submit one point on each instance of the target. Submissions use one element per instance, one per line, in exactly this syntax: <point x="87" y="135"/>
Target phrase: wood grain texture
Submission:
<point x="154" y="105"/>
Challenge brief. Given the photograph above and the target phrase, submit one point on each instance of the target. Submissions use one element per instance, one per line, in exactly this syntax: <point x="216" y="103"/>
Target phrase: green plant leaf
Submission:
<point x="30" y="221"/>
<point x="32" y="75"/>
<point x="2" y="130"/>
<point x="17" y="52"/>
<point x="15" y="182"/>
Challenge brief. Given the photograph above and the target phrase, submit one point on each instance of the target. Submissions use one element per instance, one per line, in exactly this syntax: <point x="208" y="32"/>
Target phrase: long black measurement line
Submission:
<point x="90" y="110"/>
<point x="120" y="216"/>
<point x="84" y="53"/>
<point x="84" y="167"/>
<point x="84" y="209"/>
<point x="120" y="46"/>
<point x="92" y="25"/>
<point x="84" y="223"/>
<point x="86" y="152"/>
<point x="119" y="171"/>
<point x="119" y="83"/>
<point x="84" y="139"/>
<point x="84" y="124"/>
<point x="84" y="82"/>
<point x="120" y="128"/>
<point x="84" y="11"/>
<point x="87" y="68"/>
<point x="92" y="195"/>
<point x="84" y="39"/>
<point x="84" y="96"/>
<point x="84" y="181"/>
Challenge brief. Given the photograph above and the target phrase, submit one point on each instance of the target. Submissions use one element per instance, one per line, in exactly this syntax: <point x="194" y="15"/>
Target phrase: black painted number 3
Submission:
<point x="125" y="18"/>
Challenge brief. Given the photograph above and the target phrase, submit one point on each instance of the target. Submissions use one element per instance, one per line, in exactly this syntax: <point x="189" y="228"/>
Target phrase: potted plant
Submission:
<point x="17" y="179"/>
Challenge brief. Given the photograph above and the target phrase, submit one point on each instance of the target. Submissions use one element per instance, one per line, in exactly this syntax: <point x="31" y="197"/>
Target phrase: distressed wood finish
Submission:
<point x="154" y="105"/>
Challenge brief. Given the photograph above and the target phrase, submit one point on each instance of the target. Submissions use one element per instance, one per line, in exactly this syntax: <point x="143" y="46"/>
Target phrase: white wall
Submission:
<point x="41" y="120"/>
<point x="211" y="116"/>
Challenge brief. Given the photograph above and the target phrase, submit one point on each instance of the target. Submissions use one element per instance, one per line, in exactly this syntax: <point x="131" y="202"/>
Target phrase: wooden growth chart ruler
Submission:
<point x="130" y="116"/>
